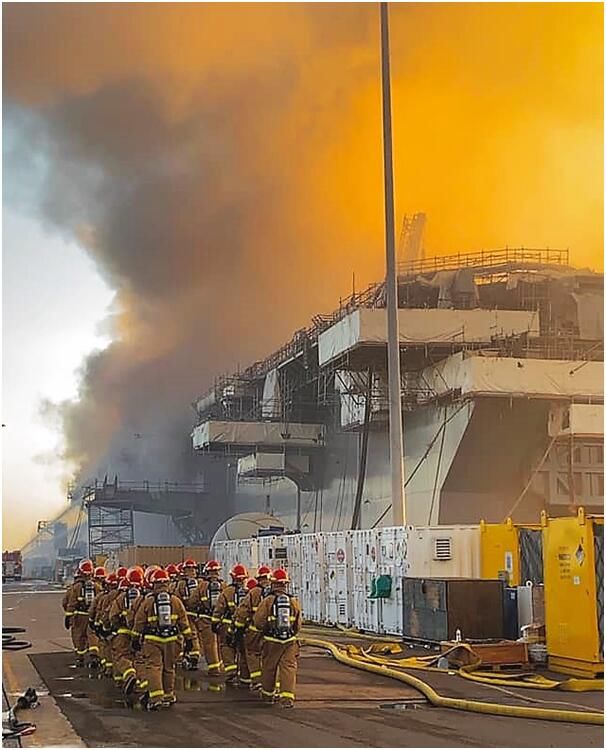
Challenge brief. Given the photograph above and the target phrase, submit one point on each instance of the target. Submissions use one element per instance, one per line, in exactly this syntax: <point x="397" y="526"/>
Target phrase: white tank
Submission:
<point x="246" y="525"/>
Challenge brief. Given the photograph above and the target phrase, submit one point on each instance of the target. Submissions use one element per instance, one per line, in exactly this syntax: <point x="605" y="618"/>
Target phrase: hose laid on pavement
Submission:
<point x="472" y="671"/>
<point x="461" y="704"/>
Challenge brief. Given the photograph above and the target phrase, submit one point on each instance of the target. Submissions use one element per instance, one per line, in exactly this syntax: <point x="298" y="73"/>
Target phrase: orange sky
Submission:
<point x="498" y="137"/>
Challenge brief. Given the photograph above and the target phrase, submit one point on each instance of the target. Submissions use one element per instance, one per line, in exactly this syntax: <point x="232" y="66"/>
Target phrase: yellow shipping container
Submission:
<point x="574" y="593"/>
<point x="500" y="550"/>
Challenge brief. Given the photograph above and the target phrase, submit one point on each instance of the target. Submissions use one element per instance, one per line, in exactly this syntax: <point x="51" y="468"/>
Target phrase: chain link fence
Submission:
<point x="531" y="555"/>
<point x="598" y="543"/>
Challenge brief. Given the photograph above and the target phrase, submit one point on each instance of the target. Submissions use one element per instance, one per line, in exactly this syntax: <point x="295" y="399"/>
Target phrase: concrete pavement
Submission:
<point x="336" y="707"/>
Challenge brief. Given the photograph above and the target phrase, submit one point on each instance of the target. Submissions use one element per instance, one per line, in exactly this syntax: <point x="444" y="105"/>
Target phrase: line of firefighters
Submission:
<point x="137" y="625"/>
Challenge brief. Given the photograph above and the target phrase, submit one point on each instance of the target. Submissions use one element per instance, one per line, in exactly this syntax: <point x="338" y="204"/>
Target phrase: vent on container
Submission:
<point x="442" y="548"/>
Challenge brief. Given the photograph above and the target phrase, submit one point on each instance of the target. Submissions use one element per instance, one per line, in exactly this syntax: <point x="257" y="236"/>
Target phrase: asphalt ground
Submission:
<point x="336" y="706"/>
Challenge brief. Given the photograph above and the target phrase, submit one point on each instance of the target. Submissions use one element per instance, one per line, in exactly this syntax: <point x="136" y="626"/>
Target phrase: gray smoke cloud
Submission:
<point x="178" y="193"/>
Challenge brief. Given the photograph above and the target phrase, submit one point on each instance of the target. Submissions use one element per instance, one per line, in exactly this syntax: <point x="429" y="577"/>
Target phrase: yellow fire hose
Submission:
<point x="461" y="704"/>
<point x="473" y="671"/>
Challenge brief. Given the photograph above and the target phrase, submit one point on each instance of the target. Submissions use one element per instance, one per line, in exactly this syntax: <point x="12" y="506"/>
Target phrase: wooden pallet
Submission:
<point x="496" y="656"/>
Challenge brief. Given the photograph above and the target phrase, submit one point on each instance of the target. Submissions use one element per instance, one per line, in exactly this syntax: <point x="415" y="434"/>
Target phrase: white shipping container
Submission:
<point x="336" y="577"/>
<point x="364" y="548"/>
<point x="392" y="561"/>
<point x="312" y="577"/>
<point x="444" y="552"/>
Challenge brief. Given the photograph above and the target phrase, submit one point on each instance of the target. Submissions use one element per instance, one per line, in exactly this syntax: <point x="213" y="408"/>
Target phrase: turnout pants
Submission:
<point x="123" y="656"/>
<point x="209" y="644"/>
<point x="279" y="663"/>
<point x="79" y="633"/>
<point x="228" y="655"/>
<point x="159" y="659"/>
<point x="253" y="645"/>
<point x="195" y="649"/>
<point x="94" y="644"/>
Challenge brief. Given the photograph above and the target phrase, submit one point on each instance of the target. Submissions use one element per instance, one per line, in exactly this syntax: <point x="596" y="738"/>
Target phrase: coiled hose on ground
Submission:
<point x="441" y="701"/>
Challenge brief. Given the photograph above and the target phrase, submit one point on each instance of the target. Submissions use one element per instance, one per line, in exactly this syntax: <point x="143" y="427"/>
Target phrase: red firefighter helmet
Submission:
<point x="179" y="568"/>
<point x="264" y="571"/>
<point x="160" y="576"/>
<point x="189" y="563"/>
<point x="172" y="570"/>
<point x="134" y="576"/>
<point x="100" y="572"/>
<point x="238" y="572"/>
<point x="86" y="567"/>
<point x="121" y="572"/>
<point x="280" y="576"/>
<point x="251" y="584"/>
<point x="149" y="571"/>
<point x="112" y="580"/>
<point x="212" y="566"/>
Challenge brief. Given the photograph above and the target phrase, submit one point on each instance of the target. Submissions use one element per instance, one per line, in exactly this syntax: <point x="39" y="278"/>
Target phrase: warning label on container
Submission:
<point x="340" y="555"/>
<point x="373" y="554"/>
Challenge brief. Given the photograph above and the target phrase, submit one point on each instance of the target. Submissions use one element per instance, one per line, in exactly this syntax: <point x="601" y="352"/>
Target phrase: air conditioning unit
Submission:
<point x="442" y="548"/>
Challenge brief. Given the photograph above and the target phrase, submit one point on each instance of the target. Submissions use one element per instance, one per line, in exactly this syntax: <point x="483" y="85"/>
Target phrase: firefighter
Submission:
<point x="279" y="619"/>
<point x="76" y="605"/>
<point x="106" y="627"/>
<point x="158" y="621"/>
<point x="232" y="651"/>
<point x="173" y="573"/>
<point x="95" y="621"/>
<point x="258" y="588"/>
<point x="184" y="589"/>
<point x="201" y="604"/>
<point x="94" y="642"/>
<point x="121" y="618"/>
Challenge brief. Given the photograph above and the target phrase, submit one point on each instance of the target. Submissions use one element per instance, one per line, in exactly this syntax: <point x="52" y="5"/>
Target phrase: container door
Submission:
<point x="392" y="561"/>
<point x="293" y="552"/>
<point x="336" y="578"/>
<point x="364" y="546"/>
<point x="312" y="583"/>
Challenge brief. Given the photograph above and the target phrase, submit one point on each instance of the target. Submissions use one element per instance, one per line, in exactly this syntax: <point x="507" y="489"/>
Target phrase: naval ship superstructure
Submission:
<point x="502" y="400"/>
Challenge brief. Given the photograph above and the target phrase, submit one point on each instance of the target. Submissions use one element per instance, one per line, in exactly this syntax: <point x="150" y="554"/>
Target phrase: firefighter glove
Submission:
<point x="215" y="627"/>
<point x="189" y="644"/>
<point x="136" y="644"/>
<point x="67" y="622"/>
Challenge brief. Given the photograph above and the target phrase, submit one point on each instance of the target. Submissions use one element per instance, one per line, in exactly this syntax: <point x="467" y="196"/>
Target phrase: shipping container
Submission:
<point x="574" y="593"/>
<point x="444" y="551"/>
<point x="512" y="552"/>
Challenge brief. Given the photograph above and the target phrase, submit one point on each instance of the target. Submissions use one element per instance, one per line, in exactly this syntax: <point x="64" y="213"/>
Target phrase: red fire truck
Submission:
<point x="12" y="565"/>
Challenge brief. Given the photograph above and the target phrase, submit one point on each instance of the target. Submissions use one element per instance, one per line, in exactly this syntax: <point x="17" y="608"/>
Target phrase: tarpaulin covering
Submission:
<point x="418" y="326"/>
<point x="547" y="378"/>
<point x="271" y="403"/>
<point x="258" y="433"/>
